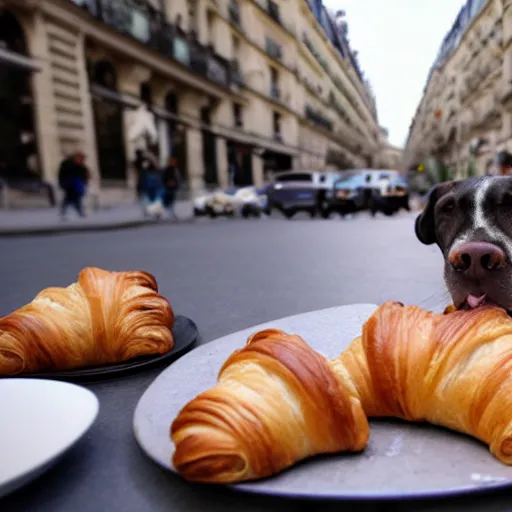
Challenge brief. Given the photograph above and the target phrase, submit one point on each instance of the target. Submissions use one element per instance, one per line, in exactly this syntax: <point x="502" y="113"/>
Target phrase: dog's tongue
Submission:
<point x="473" y="302"/>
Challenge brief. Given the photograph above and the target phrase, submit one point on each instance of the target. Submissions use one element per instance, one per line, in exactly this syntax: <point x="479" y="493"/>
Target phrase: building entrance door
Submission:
<point x="108" y="118"/>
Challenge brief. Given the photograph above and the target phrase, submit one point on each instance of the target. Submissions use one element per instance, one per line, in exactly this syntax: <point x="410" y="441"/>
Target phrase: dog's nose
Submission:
<point x="477" y="259"/>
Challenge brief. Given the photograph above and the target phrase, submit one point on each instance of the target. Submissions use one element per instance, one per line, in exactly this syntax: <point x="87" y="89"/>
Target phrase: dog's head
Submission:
<point x="471" y="222"/>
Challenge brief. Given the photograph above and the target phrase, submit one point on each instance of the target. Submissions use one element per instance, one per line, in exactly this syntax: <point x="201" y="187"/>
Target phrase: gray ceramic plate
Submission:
<point x="402" y="460"/>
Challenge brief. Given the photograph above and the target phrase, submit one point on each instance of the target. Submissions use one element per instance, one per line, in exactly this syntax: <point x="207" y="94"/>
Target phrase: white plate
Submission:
<point x="402" y="460"/>
<point x="39" y="421"/>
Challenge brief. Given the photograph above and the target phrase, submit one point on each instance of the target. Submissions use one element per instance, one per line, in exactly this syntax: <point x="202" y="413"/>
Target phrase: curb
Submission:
<point x="63" y="229"/>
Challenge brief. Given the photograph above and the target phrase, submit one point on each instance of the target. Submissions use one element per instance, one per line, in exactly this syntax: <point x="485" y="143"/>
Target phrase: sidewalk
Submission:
<point x="46" y="221"/>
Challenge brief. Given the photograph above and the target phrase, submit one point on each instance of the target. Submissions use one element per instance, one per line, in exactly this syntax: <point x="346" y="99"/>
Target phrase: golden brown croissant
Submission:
<point x="453" y="370"/>
<point x="105" y="317"/>
<point x="276" y="402"/>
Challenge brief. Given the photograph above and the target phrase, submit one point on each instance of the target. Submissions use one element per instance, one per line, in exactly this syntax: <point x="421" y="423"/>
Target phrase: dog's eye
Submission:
<point x="448" y="206"/>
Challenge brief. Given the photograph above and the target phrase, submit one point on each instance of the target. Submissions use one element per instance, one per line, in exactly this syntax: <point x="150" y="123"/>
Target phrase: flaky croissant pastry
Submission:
<point x="105" y="317"/>
<point x="453" y="370"/>
<point x="276" y="402"/>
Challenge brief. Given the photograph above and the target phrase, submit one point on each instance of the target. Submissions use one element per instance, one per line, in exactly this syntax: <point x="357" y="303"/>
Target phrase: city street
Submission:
<point x="230" y="274"/>
<point x="227" y="275"/>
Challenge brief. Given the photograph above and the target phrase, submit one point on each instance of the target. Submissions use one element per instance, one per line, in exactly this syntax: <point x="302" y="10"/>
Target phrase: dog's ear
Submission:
<point x="425" y="227"/>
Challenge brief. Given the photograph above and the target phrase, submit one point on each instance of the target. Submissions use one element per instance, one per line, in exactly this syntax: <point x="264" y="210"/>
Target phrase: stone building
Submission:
<point x="234" y="89"/>
<point x="465" y="115"/>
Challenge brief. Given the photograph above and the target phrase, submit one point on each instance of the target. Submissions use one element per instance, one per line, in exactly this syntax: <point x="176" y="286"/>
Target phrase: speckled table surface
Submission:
<point x="400" y="460"/>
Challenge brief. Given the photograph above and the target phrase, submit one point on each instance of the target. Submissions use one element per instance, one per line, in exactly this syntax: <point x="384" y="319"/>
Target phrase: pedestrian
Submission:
<point x="138" y="164"/>
<point x="171" y="184"/>
<point x="73" y="179"/>
<point x="504" y="163"/>
<point x="151" y="189"/>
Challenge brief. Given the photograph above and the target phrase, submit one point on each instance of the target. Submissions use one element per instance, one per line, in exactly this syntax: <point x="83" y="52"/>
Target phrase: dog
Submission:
<point x="471" y="222"/>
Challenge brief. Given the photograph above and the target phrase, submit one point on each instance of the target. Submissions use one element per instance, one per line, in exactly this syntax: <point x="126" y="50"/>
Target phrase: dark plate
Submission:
<point x="185" y="334"/>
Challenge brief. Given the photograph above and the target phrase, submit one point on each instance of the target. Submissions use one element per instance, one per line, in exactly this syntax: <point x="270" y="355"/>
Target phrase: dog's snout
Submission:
<point x="477" y="259"/>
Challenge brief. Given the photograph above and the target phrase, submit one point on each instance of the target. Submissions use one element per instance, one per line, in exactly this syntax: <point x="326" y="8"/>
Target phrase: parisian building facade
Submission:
<point x="465" y="114"/>
<point x="233" y="89"/>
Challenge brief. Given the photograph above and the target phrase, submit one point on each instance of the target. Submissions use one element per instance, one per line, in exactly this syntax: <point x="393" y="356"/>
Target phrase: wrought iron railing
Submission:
<point x="139" y="20"/>
<point x="271" y="7"/>
<point x="309" y="45"/>
<point x="318" y="118"/>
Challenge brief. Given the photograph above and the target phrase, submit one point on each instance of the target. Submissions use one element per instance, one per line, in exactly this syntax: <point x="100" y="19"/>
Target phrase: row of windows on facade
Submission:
<point x="182" y="54"/>
<point x="237" y="110"/>
<point x="141" y="27"/>
<point x="466" y="15"/>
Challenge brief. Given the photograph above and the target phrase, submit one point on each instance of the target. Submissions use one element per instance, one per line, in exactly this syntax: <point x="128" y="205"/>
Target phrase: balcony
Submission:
<point x="206" y="63"/>
<point x="142" y="22"/>
<point x="271" y="8"/>
<point x="336" y="105"/>
<point x="309" y="45"/>
<point x="274" y="50"/>
<point x="318" y="118"/>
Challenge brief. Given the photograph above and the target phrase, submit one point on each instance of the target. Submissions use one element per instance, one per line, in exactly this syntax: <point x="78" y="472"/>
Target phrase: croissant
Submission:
<point x="452" y="369"/>
<point x="276" y="402"/>
<point x="105" y="317"/>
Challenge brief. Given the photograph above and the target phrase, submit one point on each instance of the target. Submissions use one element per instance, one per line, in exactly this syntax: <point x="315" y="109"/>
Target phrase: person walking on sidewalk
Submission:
<point x="73" y="179"/>
<point x="171" y="183"/>
<point x="151" y="189"/>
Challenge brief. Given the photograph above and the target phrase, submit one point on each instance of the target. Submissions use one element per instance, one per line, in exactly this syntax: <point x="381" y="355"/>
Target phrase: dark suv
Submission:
<point x="296" y="191"/>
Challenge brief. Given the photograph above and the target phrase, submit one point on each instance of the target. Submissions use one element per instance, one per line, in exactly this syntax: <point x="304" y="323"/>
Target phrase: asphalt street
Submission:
<point x="230" y="274"/>
<point x="226" y="274"/>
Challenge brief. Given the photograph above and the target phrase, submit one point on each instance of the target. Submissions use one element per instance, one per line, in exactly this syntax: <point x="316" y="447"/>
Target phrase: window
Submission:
<point x="274" y="84"/>
<point x="146" y="93"/>
<point x="277" y="125"/>
<point x="206" y="115"/>
<point x="171" y="103"/>
<point x="237" y="115"/>
<point x="234" y="12"/>
<point x="236" y="47"/>
<point x="274" y="76"/>
<point x="273" y="49"/>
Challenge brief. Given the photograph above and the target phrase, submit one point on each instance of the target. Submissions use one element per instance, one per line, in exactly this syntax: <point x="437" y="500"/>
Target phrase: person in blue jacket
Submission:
<point x="73" y="179"/>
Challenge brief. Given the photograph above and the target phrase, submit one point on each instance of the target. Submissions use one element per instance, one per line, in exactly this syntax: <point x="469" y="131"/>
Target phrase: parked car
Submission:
<point x="390" y="194"/>
<point x="346" y="196"/>
<point x="378" y="190"/>
<point x="254" y="202"/>
<point x="398" y="193"/>
<point x="246" y="201"/>
<point x="214" y="204"/>
<point x="295" y="191"/>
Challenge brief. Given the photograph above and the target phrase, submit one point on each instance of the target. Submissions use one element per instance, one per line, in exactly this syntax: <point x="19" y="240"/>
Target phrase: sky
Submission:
<point x="397" y="41"/>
